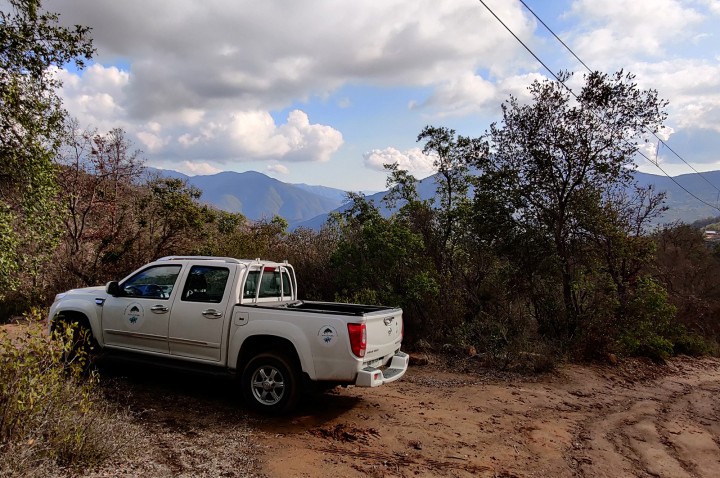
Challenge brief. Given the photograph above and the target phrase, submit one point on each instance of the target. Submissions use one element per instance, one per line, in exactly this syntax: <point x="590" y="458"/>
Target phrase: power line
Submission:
<point x="574" y="95"/>
<point x="657" y="165"/>
<point x="590" y="70"/>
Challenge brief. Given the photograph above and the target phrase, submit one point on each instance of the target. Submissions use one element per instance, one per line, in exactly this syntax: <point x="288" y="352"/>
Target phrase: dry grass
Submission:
<point x="52" y="418"/>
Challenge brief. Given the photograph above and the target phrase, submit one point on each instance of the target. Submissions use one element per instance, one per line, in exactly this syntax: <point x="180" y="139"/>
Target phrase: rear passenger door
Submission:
<point x="199" y="314"/>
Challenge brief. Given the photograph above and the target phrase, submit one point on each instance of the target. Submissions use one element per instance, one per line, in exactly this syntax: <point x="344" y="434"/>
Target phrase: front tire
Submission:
<point x="270" y="383"/>
<point x="79" y="344"/>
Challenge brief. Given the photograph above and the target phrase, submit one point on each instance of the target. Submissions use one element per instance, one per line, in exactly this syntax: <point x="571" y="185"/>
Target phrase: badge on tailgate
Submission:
<point x="388" y="320"/>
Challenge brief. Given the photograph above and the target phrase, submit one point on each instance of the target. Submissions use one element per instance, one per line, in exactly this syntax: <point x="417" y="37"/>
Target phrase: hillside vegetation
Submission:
<point x="536" y="242"/>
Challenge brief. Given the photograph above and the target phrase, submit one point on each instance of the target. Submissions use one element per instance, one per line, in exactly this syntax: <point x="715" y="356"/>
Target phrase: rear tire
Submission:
<point x="270" y="383"/>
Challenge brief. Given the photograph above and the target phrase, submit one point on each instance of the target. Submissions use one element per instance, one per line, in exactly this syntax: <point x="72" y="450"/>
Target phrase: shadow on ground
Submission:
<point x="183" y="399"/>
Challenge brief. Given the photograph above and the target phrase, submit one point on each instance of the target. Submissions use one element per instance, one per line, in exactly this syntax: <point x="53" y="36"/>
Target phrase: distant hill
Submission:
<point x="258" y="196"/>
<point x="330" y="193"/>
<point x="681" y="206"/>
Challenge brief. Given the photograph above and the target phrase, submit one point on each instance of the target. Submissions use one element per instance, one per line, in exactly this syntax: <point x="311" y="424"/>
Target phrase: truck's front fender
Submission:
<point x="91" y="310"/>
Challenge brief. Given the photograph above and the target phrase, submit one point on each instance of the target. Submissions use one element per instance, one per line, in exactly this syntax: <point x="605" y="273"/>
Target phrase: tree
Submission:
<point x="551" y="163"/>
<point x="170" y="219"/>
<point x="32" y="43"/>
<point x="382" y="261"/>
<point x="452" y="154"/>
<point x="99" y="179"/>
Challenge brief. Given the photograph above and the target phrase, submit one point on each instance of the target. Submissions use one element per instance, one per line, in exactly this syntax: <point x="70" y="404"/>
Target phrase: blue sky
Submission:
<point x="324" y="92"/>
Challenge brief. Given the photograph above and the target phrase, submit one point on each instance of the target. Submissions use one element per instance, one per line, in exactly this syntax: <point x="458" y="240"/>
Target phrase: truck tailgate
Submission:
<point x="384" y="334"/>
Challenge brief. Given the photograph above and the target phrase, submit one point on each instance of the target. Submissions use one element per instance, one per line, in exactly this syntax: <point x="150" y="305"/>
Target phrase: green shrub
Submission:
<point x="648" y="325"/>
<point x="50" y="412"/>
<point x="694" y="345"/>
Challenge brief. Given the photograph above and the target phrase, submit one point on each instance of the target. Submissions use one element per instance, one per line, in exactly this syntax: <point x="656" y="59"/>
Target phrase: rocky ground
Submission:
<point x="633" y="419"/>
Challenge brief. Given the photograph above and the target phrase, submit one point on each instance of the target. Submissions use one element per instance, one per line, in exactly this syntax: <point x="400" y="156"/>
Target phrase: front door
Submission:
<point x="138" y="319"/>
<point x="200" y="314"/>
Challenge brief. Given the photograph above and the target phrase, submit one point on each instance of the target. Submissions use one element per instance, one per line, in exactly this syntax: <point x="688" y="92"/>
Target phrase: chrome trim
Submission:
<point x="137" y="335"/>
<point x="211" y="314"/>
<point x="177" y="340"/>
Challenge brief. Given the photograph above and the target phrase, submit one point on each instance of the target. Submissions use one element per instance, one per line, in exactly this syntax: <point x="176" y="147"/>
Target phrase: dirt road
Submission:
<point x="637" y="419"/>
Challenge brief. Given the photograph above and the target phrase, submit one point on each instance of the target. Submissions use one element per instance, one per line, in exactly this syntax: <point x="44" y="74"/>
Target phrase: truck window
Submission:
<point x="251" y="284"/>
<point x="273" y="283"/>
<point x="205" y="284"/>
<point x="270" y="283"/>
<point x="152" y="283"/>
<point x="286" y="287"/>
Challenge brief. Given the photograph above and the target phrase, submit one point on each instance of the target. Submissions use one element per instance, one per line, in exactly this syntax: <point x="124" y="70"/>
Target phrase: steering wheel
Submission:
<point x="133" y="291"/>
<point x="154" y="290"/>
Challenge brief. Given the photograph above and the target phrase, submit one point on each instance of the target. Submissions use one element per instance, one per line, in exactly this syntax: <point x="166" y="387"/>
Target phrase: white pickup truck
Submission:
<point x="242" y="316"/>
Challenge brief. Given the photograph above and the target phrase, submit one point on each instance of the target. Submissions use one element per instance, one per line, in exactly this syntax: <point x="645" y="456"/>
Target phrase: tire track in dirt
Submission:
<point x="590" y="421"/>
<point x="654" y="429"/>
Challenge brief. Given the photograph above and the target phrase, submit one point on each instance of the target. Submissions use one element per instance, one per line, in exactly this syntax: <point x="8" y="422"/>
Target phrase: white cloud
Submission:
<point x="223" y="134"/>
<point x="97" y="97"/>
<point x="694" y="89"/>
<point x="266" y="55"/>
<point x="192" y="168"/>
<point x="412" y="160"/>
<point x="712" y="5"/>
<point x="278" y="169"/>
<point x="199" y="80"/>
<point x="253" y="135"/>
<point x="471" y="94"/>
<point x="616" y="31"/>
<point x="152" y="142"/>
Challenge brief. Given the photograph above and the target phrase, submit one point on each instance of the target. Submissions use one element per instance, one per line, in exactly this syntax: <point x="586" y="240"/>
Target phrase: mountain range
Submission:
<point x="258" y="196"/>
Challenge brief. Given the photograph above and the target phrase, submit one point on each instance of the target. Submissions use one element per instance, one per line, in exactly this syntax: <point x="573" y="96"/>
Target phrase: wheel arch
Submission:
<point x="72" y="315"/>
<point x="257" y="344"/>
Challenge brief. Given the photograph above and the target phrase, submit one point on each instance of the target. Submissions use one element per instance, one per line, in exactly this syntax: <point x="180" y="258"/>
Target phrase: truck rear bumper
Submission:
<point x="374" y="377"/>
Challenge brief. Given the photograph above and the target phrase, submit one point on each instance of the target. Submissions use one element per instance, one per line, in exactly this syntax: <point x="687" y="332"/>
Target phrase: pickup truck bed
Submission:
<point x="337" y="308"/>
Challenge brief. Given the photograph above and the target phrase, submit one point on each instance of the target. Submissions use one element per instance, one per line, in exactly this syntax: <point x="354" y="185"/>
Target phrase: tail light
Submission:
<point x="402" y="328"/>
<point x="358" y="339"/>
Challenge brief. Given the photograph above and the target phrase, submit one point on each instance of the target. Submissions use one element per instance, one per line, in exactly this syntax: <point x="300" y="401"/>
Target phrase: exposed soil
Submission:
<point x="638" y="419"/>
<point x="635" y="419"/>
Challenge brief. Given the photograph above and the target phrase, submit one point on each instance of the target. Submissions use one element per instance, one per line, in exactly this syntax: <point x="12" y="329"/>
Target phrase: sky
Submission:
<point x="324" y="92"/>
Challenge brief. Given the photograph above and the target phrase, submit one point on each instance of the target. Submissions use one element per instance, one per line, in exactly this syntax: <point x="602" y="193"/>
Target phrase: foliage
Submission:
<point x="452" y="156"/>
<point x="97" y="174"/>
<point x="170" y="218"/>
<point x="536" y="246"/>
<point x="382" y="260"/>
<point x="551" y="166"/>
<point x="689" y="268"/>
<point x="50" y="412"/>
<point x="32" y="44"/>
<point x="650" y="332"/>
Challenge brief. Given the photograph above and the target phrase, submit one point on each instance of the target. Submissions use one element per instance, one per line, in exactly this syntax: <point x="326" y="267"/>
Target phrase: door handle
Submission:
<point x="211" y="314"/>
<point x="159" y="309"/>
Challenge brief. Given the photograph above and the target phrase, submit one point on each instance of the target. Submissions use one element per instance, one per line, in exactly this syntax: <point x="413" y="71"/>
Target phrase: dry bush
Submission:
<point x="52" y="417"/>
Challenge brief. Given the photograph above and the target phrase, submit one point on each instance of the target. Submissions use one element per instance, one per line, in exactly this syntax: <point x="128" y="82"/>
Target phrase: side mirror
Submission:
<point x="113" y="288"/>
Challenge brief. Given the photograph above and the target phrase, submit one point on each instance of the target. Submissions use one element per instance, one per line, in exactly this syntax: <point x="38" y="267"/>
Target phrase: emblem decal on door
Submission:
<point x="134" y="315"/>
<point x="327" y="335"/>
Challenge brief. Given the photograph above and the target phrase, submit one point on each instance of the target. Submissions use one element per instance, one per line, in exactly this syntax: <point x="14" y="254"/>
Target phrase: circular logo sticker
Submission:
<point x="134" y="315"/>
<point x="327" y="335"/>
